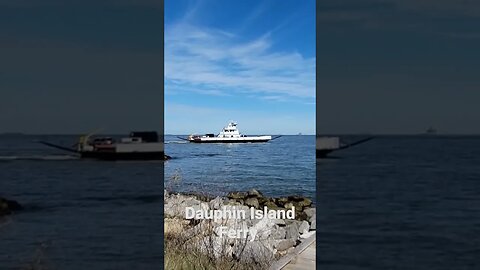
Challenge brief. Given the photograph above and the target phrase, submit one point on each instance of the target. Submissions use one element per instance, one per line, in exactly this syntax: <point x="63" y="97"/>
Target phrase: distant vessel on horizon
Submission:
<point x="431" y="131"/>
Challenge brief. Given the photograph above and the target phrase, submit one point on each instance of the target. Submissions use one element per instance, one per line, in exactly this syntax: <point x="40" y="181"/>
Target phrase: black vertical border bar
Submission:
<point x="162" y="125"/>
<point x="317" y="125"/>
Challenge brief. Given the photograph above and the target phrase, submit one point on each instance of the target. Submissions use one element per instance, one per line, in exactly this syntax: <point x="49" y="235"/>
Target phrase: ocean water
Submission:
<point x="400" y="202"/>
<point x="281" y="167"/>
<point x="396" y="202"/>
<point x="78" y="214"/>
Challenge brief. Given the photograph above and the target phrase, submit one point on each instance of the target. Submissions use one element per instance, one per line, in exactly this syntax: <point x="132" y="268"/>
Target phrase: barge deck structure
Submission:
<point x="138" y="146"/>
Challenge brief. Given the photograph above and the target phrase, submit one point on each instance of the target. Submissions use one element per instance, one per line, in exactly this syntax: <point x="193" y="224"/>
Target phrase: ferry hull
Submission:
<point x="230" y="141"/>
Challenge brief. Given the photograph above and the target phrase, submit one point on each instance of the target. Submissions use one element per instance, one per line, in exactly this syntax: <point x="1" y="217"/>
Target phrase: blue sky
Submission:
<point x="248" y="61"/>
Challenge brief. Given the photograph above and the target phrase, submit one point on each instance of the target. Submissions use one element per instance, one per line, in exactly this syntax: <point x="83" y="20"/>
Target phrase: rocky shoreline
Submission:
<point x="7" y="207"/>
<point x="270" y="239"/>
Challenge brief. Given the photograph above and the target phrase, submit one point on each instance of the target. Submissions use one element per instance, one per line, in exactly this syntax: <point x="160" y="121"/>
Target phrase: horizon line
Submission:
<point x="283" y="134"/>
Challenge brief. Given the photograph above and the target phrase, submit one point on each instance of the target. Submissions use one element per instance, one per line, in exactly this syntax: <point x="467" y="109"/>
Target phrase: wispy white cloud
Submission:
<point x="176" y="87"/>
<point x="207" y="58"/>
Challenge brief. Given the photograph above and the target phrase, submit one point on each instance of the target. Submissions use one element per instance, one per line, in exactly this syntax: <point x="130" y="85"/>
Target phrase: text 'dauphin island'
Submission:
<point x="233" y="217"/>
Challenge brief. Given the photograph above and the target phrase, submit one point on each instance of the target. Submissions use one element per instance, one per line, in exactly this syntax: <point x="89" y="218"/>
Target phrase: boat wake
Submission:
<point x="179" y="142"/>
<point x="39" y="158"/>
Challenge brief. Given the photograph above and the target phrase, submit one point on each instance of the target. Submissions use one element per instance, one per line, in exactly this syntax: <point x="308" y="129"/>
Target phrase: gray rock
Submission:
<point x="292" y="221"/>
<point x="290" y="250"/>
<point x="281" y="201"/>
<point x="300" y="199"/>
<point x="313" y="222"/>
<point x="262" y="201"/>
<point x="190" y="202"/>
<point x="236" y="195"/>
<point x="216" y="203"/>
<point x="284" y="244"/>
<point x="252" y="202"/>
<point x="175" y="205"/>
<point x="288" y="205"/>
<point x="271" y="205"/>
<point x="292" y="231"/>
<point x="307" y="235"/>
<point x="279" y="233"/>
<point x="255" y="193"/>
<point x="261" y="250"/>
<point x="197" y="207"/>
<point x="305" y="202"/>
<point x="263" y="228"/>
<point x="280" y="222"/>
<point x="304" y="227"/>
<point x="310" y="212"/>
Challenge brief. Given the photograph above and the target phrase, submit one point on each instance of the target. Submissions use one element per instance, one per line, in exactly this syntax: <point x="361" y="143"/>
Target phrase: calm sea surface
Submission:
<point x="79" y="214"/>
<point x="284" y="166"/>
<point x="396" y="202"/>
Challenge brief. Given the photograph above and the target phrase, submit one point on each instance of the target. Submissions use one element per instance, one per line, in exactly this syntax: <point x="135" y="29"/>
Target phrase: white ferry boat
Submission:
<point x="229" y="134"/>
<point x="138" y="146"/>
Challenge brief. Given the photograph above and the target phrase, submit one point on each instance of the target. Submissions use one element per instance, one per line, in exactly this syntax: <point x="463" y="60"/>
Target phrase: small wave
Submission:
<point x="135" y="198"/>
<point x="177" y="142"/>
<point x="207" y="155"/>
<point x="39" y="158"/>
